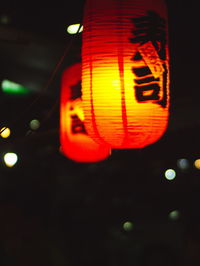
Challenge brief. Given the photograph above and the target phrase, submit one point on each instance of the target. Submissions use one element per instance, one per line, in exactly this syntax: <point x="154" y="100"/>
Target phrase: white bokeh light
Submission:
<point x="170" y="174"/>
<point x="10" y="159"/>
<point x="183" y="164"/>
<point x="73" y="29"/>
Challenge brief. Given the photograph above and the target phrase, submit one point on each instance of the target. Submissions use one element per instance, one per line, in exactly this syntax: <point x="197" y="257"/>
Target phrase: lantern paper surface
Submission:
<point x="125" y="71"/>
<point x="75" y="143"/>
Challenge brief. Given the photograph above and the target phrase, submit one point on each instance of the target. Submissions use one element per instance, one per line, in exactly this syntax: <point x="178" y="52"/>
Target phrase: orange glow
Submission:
<point x="75" y="143"/>
<point x="125" y="72"/>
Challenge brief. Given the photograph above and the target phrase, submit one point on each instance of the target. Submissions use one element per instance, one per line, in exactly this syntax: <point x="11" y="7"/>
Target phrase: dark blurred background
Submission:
<point x="126" y="210"/>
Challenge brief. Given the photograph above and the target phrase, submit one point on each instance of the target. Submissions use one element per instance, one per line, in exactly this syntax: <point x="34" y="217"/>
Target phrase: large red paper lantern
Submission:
<point x="75" y="142"/>
<point x="125" y="71"/>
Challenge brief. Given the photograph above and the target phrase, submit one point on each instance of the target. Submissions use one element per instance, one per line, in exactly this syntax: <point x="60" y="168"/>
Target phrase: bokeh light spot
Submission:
<point x="183" y="164"/>
<point x="10" y="159"/>
<point x="128" y="226"/>
<point x="5" y="132"/>
<point x="73" y="29"/>
<point x="34" y="124"/>
<point x="174" y="215"/>
<point x="170" y="174"/>
<point x="5" y="19"/>
<point x="10" y="87"/>
<point x="197" y="164"/>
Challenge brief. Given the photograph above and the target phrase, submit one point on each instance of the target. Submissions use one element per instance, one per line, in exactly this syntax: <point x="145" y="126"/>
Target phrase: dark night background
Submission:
<point x="54" y="211"/>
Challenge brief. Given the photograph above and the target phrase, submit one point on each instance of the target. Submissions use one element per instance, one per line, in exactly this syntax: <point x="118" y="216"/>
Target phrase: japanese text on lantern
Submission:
<point x="151" y="78"/>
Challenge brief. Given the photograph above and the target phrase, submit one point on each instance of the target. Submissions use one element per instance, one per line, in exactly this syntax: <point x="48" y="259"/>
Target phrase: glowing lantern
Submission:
<point x="125" y="71"/>
<point x="75" y="143"/>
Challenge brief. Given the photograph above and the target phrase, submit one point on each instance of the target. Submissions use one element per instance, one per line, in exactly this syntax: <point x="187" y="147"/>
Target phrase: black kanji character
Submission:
<point x="150" y="28"/>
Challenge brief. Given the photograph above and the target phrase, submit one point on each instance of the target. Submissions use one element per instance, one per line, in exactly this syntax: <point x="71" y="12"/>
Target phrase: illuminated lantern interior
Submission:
<point x="125" y="71"/>
<point x="75" y="143"/>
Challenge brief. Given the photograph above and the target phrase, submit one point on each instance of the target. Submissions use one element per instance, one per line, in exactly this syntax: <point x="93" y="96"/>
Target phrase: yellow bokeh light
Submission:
<point x="5" y="132"/>
<point x="197" y="164"/>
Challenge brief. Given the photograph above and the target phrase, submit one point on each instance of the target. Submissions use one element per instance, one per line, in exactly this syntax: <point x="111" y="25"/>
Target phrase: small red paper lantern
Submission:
<point x="125" y="71"/>
<point x="75" y="143"/>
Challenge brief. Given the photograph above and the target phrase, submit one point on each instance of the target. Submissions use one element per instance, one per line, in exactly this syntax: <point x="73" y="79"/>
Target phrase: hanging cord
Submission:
<point x="55" y="70"/>
<point x="49" y="81"/>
